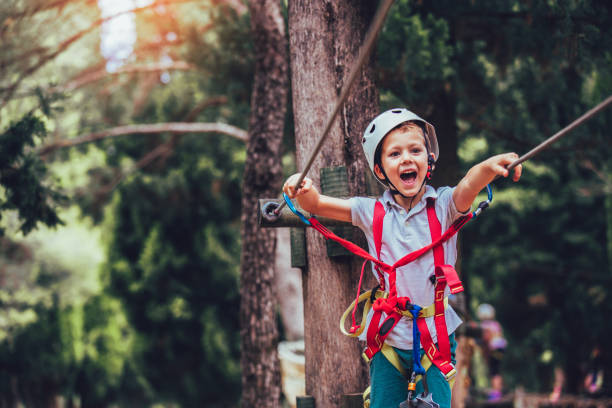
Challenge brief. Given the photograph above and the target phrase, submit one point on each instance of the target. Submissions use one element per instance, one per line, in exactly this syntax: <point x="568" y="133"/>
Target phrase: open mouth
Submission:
<point x="408" y="176"/>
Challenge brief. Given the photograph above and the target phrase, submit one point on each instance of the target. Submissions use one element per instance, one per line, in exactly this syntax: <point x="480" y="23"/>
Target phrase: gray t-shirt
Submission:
<point x="404" y="233"/>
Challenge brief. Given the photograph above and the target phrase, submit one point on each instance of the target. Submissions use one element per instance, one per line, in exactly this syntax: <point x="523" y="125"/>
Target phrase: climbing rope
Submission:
<point x="545" y="144"/>
<point x="271" y="211"/>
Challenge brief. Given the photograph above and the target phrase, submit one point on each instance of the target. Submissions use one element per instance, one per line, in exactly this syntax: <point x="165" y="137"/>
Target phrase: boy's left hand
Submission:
<point x="498" y="165"/>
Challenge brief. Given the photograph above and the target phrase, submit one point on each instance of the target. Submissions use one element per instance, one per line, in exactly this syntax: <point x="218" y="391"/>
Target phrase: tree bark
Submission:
<point x="261" y="382"/>
<point x="325" y="37"/>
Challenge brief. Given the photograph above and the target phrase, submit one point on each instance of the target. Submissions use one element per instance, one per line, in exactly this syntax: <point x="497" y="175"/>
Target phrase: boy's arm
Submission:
<point x="315" y="203"/>
<point x="482" y="174"/>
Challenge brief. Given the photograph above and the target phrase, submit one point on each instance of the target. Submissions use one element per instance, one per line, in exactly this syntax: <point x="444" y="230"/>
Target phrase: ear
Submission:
<point x="431" y="165"/>
<point x="378" y="172"/>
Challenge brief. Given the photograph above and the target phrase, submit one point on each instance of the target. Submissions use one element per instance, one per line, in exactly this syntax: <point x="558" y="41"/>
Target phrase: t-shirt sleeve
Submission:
<point x="447" y="205"/>
<point x="362" y="211"/>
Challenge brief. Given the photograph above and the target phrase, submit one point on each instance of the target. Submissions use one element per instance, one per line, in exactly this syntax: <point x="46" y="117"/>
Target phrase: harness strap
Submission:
<point x="355" y="249"/>
<point x="440" y="356"/>
<point x="368" y="298"/>
<point x="377" y="229"/>
<point x="393" y="306"/>
<point x="439" y="319"/>
<point x="452" y="230"/>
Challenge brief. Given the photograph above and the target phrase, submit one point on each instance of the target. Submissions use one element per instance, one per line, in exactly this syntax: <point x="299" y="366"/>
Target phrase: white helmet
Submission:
<point x="385" y="122"/>
<point x="485" y="312"/>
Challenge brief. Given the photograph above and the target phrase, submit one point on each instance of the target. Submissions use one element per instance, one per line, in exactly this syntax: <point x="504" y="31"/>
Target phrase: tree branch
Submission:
<point x="175" y="127"/>
<point x="58" y="4"/>
<point x="44" y="59"/>
<point x="102" y="73"/>
<point x="163" y="150"/>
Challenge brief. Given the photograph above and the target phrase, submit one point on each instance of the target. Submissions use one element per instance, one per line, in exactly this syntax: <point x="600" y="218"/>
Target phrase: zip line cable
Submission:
<point x="272" y="214"/>
<point x="545" y="144"/>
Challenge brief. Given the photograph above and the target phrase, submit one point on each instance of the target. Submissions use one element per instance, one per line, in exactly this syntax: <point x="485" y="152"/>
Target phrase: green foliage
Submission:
<point x="22" y="176"/>
<point x="416" y="57"/>
<point x="105" y="370"/>
<point x="173" y="264"/>
<point x="68" y="350"/>
<point x="226" y="57"/>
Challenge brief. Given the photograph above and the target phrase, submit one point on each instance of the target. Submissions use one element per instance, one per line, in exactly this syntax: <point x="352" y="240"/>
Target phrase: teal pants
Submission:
<point x="389" y="388"/>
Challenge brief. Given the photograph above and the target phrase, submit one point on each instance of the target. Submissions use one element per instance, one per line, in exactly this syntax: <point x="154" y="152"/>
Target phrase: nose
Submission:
<point x="406" y="157"/>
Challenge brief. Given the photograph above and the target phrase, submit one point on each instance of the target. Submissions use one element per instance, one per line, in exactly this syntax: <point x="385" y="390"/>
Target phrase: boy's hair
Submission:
<point x="404" y="125"/>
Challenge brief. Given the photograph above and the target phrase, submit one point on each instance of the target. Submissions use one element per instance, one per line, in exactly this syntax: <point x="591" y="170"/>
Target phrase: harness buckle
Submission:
<point x="449" y="376"/>
<point x="367" y="355"/>
<point x="373" y="293"/>
<point x="481" y="207"/>
<point x="451" y="278"/>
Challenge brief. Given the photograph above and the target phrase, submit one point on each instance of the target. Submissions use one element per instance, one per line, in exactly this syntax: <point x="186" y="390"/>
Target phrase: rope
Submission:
<point x="370" y="40"/>
<point x="417" y="367"/>
<point x="588" y="115"/>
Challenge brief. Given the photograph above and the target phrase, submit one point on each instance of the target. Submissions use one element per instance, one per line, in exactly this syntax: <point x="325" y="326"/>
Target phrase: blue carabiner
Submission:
<point x="294" y="210"/>
<point x="484" y="204"/>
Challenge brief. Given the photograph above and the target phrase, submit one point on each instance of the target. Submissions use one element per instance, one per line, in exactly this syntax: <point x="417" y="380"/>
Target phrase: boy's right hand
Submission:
<point x="289" y="186"/>
<point x="311" y="201"/>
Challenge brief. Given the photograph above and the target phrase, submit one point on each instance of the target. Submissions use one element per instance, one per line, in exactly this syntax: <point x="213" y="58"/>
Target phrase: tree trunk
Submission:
<point x="325" y="38"/>
<point x="261" y="382"/>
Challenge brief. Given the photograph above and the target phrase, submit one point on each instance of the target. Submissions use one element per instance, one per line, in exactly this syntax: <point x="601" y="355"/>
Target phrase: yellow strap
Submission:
<point x="428" y="311"/>
<point x="366" y="308"/>
<point x="394" y="359"/>
<point x="366" y="397"/>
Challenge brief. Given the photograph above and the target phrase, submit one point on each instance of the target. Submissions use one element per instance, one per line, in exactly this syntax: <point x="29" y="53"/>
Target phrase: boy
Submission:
<point x="401" y="150"/>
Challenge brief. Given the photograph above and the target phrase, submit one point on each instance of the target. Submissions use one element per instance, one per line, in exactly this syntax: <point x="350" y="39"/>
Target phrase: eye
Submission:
<point x="416" y="150"/>
<point x="394" y="154"/>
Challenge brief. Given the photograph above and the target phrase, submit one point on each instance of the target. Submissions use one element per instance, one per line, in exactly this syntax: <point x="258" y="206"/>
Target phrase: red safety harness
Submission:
<point x="393" y="305"/>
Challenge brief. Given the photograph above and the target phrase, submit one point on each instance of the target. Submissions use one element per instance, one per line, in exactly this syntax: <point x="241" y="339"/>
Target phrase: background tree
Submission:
<point x="261" y="381"/>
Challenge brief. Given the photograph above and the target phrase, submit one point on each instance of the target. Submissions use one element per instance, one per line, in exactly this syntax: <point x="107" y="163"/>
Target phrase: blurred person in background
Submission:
<point x="494" y="345"/>
<point x="593" y="380"/>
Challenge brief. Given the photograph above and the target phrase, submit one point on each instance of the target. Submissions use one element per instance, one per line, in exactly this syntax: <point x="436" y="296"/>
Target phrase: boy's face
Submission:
<point x="404" y="159"/>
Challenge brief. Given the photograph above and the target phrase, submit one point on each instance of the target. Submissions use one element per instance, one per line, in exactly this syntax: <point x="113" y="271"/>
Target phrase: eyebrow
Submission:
<point x="410" y="144"/>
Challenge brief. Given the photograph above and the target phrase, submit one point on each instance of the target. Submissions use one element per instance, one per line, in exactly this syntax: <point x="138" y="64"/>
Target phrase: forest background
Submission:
<point x="120" y="256"/>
